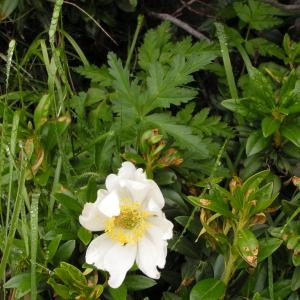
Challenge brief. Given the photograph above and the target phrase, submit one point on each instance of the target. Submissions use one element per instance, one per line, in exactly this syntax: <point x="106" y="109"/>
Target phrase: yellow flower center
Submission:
<point x="129" y="225"/>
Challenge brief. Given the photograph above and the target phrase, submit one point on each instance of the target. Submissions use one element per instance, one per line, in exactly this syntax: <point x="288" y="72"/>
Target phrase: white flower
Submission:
<point x="135" y="229"/>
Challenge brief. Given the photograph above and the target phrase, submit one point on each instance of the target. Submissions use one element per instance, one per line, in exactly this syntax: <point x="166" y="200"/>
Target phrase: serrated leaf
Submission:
<point x="257" y="14"/>
<point x="155" y="42"/>
<point x="208" y="289"/>
<point x="95" y="74"/>
<point x="264" y="48"/>
<point x="186" y="113"/>
<point x="209" y="125"/>
<point x="183" y="134"/>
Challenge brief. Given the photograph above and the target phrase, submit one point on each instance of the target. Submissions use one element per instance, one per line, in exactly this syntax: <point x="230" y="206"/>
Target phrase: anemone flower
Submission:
<point x="135" y="230"/>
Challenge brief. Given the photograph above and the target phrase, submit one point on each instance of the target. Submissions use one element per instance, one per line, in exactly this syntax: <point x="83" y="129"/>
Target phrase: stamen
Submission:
<point x="129" y="225"/>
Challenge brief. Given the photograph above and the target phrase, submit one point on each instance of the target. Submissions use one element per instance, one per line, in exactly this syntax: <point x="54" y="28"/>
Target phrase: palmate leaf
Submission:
<point x="257" y="14"/>
<point x="264" y="48"/>
<point x="156" y="42"/>
<point x="128" y="100"/>
<point x="181" y="133"/>
<point x="95" y="74"/>
<point x="165" y="85"/>
<point x="209" y="125"/>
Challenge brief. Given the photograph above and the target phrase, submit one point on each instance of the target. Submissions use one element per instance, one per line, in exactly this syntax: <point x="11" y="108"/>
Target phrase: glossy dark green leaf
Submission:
<point x="263" y="198"/>
<point x="253" y="182"/>
<point x="119" y="293"/>
<point x="267" y="247"/>
<point x="208" y="289"/>
<point x="68" y="201"/>
<point x="84" y="235"/>
<point x="53" y="245"/>
<point x="295" y="285"/>
<point x="7" y="7"/>
<point x="138" y="282"/>
<point x="292" y="133"/>
<point x="256" y="142"/>
<point x="65" y="251"/>
<point x="269" y="125"/>
<point x="170" y="296"/>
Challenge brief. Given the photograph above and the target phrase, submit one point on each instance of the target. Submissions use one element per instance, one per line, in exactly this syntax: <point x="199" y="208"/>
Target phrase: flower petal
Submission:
<point x="118" y="260"/>
<point x="161" y="227"/>
<point x="97" y="250"/>
<point x="100" y="195"/>
<point x="110" y="204"/>
<point x="155" y="200"/>
<point x="91" y="218"/>
<point x="137" y="190"/>
<point x="148" y="256"/>
<point x="111" y="182"/>
<point x="127" y="170"/>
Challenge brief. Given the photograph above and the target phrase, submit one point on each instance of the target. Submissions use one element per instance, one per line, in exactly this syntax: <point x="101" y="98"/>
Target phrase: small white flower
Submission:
<point x="135" y="229"/>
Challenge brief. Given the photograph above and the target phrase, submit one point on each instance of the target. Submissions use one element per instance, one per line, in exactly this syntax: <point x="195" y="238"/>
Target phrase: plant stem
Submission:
<point x="230" y="266"/>
<point x="136" y="34"/>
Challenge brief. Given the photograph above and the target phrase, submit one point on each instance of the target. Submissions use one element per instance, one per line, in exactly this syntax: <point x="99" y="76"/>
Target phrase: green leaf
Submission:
<point x="256" y="142"/>
<point x="19" y="281"/>
<point x="68" y="201"/>
<point x="292" y="133"/>
<point x="264" y="48"/>
<point x="267" y="246"/>
<point x="7" y="7"/>
<point x="182" y="134"/>
<point x="269" y="125"/>
<point x="96" y="74"/>
<point x="254" y="181"/>
<point x="53" y="245"/>
<point x="60" y="289"/>
<point x="257" y="14"/>
<point x="263" y="198"/>
<point x="170" y="296"/>
<point x="214" y="202"/>
<point x="236" y="106"/>
<point x="84" y="235"/>
<point x="65" y="251"/>
<point x="138" y="282"/>
<point x="120" y="293"/>
<point x="296" y="256"/>
<point x="247" y="246"/>
<point x="156" y="42"/>
<point x="41" y="111"/>
<point x="295" y="285"/>
<point x="70" y="275"/>
<point x="208" y="289"/>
